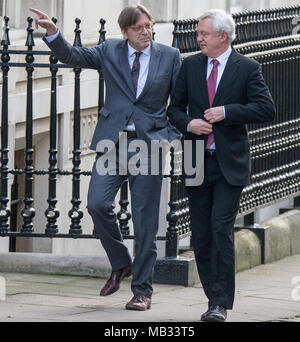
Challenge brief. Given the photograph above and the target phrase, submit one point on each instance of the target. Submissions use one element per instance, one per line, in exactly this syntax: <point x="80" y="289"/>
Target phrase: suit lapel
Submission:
<point x="153" y="67"/>
<point x="125" y="67"/>
<point x="229" y="75"/>
<point x="201" y="72"/>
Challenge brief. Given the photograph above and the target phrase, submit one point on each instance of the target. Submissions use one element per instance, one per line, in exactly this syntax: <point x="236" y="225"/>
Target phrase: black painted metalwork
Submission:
<point x="28" y="212"/>
<point x="275" y="148"/>
<point x="172" y="246"/>
<point x="124" y="215"/>
<point x="15" y="201"/>
<point x="268" y="37"/>
<point x="4" y="210"/>
<point x="251" y="26"/>
<point x="29" y="171"/>
<point x="102" y="38"/>
<point x="52" y="212"/>
<point x="76" y="213"/>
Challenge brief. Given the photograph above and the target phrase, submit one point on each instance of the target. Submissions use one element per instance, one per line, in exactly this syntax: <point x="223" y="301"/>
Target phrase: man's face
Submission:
<point x="212" y="44"/>
<point x="140" y="35"/>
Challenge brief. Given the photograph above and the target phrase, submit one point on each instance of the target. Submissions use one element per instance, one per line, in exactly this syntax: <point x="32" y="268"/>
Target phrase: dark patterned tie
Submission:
<point x="135" y="71"/>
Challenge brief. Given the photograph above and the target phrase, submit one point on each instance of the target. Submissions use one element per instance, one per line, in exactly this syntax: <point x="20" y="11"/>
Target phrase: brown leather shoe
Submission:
<point x="139" y="302"/>
<point x="113" y="283"/>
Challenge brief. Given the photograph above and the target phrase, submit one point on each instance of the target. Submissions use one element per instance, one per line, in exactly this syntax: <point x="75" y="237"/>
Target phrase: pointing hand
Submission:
<point x="44" y="21"/>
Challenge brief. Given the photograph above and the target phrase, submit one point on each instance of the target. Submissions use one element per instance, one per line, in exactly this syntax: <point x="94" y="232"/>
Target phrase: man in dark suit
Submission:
<point x="139" y="76"/>
<point x="217" y="93"/>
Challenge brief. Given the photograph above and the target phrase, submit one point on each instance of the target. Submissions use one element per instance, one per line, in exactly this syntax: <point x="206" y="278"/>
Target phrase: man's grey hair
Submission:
<point x="222" y="22"/>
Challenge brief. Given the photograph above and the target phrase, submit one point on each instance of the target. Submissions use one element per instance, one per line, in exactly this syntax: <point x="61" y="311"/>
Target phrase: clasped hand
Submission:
<point x="212" y="115"/>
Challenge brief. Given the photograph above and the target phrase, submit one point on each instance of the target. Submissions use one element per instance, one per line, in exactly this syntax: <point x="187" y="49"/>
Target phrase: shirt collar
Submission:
<point x="131" y="50"/>
<point x="222" y="59"/>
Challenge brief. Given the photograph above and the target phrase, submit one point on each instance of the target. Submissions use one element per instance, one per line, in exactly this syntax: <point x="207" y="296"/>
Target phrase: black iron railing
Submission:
<point x="250" y="26"/>
<point x="52" y="213"/>
<point x="275" y="147"/>
<point x="28" y="211"/>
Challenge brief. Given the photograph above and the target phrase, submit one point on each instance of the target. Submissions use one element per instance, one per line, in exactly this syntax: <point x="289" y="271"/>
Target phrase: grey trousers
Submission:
<point x="145" y="202"/>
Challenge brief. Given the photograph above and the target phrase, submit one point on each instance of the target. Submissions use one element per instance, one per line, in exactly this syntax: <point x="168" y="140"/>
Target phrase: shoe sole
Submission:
<point x="214" y="319"/>
<point x="137" y="309"/>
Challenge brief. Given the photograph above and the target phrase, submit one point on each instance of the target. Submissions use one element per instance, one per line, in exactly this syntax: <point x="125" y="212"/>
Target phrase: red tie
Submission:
<point x="211" y="86"/>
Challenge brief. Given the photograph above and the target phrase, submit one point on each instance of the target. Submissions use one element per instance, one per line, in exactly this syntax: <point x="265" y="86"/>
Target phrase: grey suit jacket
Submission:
<point x="149" y="109"/>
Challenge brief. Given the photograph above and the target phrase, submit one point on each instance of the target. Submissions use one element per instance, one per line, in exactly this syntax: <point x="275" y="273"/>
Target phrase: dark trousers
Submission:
<point x="213" y="209"/>
<point x="145" y="193"/>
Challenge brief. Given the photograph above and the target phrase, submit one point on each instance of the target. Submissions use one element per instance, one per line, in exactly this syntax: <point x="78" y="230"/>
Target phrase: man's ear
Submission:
<point x="224" y="36"/>
<point x="124" y="33"/>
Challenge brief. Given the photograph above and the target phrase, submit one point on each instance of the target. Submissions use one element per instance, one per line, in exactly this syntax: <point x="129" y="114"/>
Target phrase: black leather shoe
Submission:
<point x="215" y="314"/>
<point x="203" y="316"/>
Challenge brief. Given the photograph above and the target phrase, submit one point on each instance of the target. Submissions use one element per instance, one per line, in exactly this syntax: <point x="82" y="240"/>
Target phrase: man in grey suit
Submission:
<point x="139" y="74"/>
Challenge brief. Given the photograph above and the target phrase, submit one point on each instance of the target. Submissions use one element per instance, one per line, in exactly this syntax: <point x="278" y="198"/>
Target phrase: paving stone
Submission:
<point x="263" y="294"/>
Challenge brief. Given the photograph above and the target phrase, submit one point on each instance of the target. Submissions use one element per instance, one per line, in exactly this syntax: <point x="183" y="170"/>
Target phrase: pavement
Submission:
<point x="265" y="293"/>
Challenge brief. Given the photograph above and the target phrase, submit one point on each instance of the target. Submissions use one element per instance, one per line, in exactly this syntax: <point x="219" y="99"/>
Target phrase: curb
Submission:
<point x="45" y="263"/>
<point x="284" y="239"/>
<point x="269" y="241"/>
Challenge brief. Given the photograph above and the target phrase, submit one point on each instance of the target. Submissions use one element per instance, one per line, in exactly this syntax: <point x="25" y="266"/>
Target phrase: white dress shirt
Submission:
<point x="222" y="59"/>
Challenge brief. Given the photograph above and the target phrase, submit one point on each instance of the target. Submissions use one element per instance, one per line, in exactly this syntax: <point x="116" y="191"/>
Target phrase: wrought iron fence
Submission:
<point x="265" y="36"/>
<point x="250" y="26"/>
<point x="275" y="147"/>
<point x="75" y="214"/>
<point x="28" y="212"/>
